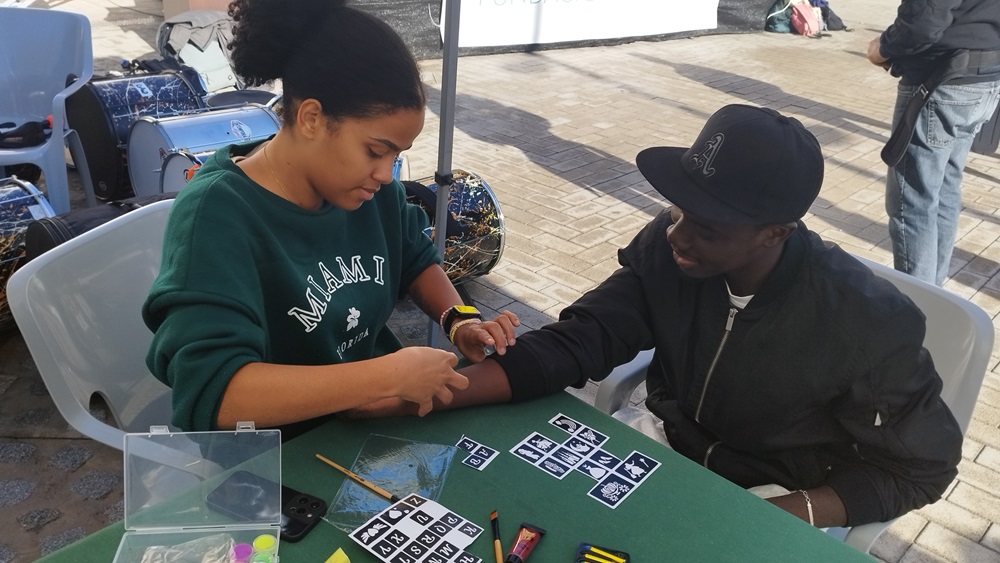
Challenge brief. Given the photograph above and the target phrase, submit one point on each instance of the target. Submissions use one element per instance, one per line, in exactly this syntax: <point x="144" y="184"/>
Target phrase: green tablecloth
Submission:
<point x="682" y="512"/>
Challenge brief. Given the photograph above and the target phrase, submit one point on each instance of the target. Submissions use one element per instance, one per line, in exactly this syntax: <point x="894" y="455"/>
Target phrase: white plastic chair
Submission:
<point x="40" y="52"/>
<point x="959" y="337"/>
<point x="78" y="308"/>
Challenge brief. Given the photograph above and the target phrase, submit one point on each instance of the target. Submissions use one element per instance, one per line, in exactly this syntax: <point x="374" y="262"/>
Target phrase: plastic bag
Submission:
<point x="399" y="466"/>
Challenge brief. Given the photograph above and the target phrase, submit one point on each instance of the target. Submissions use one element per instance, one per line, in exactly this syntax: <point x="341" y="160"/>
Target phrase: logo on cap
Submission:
<point x="704" y="159"/>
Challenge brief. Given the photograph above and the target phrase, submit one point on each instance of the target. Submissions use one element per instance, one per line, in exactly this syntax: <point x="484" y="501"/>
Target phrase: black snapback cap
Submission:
<point x="749" y="166"/>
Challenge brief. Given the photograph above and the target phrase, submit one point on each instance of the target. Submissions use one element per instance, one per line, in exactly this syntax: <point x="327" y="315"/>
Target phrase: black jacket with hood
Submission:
<point x="926" y="32"/>
<point x="822" y="379"/>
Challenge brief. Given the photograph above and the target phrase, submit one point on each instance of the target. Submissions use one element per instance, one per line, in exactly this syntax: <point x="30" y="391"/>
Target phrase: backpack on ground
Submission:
<point x="832" y="21"/>
<point x="804" y="20"/>
<point x="778" y="19"/>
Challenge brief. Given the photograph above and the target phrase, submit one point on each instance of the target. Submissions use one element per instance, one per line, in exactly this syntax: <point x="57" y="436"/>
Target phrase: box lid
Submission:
<point x="182" y="480"/>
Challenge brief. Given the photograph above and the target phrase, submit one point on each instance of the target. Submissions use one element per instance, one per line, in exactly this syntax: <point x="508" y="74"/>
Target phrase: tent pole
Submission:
<point x="446" y="135"/>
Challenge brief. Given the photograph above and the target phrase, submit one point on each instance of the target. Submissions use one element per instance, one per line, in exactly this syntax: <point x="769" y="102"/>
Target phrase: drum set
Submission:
<point x="131" y="125"/>
<point x="147" y="134"/>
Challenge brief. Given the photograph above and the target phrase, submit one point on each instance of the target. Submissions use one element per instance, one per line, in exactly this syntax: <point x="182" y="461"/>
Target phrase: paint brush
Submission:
<point x="497" y="550"/>
<point x="361" y="481"/>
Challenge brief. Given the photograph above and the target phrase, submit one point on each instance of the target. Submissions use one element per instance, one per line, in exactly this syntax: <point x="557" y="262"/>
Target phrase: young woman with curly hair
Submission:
<point x="283" y="260"/>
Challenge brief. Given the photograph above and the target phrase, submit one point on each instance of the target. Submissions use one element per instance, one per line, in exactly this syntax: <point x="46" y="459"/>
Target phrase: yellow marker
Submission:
<point x="338" y="557"/>
<point x="597" y="559"/>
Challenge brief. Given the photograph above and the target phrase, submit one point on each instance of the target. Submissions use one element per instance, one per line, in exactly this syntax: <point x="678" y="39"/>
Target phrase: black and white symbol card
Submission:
<point x="527" y="453"/>
<point x="637" y="467"/>
<point x="604" y="458"/>
<point x="553" y="467"/>
<point x="418" y="530"/>
<point x="612" y="490"/>
<point x="565" y="423"/>
<point x="540" y="443"/>
<point x="566" y="456"/>
<point x="592" y="469"/>
<point x="578" y="446"/>
<point x="591" y="436"/>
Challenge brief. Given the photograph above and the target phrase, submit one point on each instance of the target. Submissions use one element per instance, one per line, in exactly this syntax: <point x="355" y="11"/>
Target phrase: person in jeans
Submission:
<point x="924" y="190"/>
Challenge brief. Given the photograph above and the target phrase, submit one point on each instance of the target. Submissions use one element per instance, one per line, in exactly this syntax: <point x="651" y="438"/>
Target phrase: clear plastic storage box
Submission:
<point x="203" y="496"/>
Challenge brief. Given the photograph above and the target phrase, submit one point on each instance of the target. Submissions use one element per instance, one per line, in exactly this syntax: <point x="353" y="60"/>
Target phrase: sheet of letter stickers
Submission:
<point x="581" y="451"/>
<point x="418" y="530"/>
<point x="479" y="455"/>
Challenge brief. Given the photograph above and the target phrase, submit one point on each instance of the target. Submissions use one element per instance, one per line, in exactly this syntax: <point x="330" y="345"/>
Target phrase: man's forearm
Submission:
<point x="487" y="384"/>
<point x="822" y="504"/>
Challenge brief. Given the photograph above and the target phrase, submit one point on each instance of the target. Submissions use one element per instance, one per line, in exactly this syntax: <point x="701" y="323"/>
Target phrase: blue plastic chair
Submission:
<point x="45" y="55"/>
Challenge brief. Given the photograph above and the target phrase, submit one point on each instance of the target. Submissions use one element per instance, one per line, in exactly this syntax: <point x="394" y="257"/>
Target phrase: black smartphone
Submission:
<point x="245" y="496"/>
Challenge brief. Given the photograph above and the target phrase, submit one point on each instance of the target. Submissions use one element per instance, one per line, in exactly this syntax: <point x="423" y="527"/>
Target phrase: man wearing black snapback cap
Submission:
<point x="778" y="359"/>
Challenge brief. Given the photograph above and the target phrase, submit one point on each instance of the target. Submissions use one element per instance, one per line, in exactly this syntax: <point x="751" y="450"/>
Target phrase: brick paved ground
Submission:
<point x="555" y="134"/>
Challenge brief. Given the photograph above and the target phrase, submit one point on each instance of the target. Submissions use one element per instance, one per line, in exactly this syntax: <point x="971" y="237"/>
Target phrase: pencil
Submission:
<point x="497" y="550"/>
<point x="361" y="481"/>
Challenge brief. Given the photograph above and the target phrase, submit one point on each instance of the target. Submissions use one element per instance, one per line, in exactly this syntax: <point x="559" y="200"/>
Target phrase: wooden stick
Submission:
<point x="361" y="481"/>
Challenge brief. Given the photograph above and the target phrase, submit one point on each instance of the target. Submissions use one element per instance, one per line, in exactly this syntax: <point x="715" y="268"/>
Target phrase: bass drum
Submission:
<point x="178" y="169"/>
<point x="103" y="111"/>
<point x="151" y="140"/>
<point x="473" y="247"/>
<point x="20" y="204"/>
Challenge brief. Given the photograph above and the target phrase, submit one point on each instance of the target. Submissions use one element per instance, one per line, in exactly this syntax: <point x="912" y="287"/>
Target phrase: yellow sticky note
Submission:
<point x="338" y="557"/>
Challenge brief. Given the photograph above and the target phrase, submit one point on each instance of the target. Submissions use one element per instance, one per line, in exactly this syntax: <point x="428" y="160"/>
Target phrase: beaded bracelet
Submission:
<point x="454" y="327"/>
<point x="443" y="315"/>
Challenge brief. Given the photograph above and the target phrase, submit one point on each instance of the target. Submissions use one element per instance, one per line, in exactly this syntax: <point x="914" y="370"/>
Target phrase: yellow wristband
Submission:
<point x="454" y="327"/>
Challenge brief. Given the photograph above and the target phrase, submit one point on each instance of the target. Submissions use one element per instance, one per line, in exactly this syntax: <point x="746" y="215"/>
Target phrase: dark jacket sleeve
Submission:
<point x="919" y="25"/>
<point x="908" y="442"/>
<point x="606" y="327"/>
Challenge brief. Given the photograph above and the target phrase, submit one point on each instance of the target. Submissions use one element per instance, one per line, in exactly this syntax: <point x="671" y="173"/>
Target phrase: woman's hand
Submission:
<point x="423" y="373"/>
<point x="473" y="338"/>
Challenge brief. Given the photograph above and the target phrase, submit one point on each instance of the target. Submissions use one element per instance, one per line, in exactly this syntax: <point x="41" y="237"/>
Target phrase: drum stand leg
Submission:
<point x="80" y="161"/>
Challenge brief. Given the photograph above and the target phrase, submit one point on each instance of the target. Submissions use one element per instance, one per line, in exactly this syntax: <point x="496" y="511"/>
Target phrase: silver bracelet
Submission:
<point x="809" y="506"/>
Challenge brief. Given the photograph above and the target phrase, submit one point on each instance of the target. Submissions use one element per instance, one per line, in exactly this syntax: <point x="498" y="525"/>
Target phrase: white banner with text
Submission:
<point x="493" y="23"/>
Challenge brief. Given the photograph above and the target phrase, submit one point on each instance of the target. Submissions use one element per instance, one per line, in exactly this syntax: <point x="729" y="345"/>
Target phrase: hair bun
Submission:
<point x="267" y="32"/>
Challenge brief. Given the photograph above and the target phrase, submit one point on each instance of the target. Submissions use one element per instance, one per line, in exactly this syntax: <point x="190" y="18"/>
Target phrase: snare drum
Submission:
<point x="478" y="247"/>
<point x="103" y="111"/>
<point x="20" y="204"/>
<point x="151" y="140"/>
<point x="178" y="169"/>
